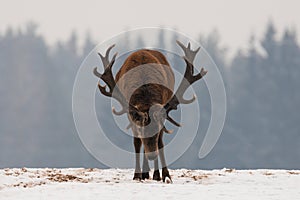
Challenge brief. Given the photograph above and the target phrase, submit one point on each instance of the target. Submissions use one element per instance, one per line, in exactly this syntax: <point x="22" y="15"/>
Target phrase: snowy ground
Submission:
<point x="118" y="184"/>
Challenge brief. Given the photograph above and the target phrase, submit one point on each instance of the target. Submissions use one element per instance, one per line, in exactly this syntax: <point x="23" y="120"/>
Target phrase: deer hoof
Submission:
<point x="203" y="72"/>
<point x="145" y="175"/>
<point x="166" y="176"/>
<point x="137" y="176"/>
<point x="156" y="175"/>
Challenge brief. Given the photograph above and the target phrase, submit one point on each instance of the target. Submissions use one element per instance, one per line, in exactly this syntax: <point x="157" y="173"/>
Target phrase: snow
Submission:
<point x="79" y="183"/>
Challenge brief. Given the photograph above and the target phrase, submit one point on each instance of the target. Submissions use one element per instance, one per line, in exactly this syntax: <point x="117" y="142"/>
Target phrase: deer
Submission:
<point x="148" y="103"/>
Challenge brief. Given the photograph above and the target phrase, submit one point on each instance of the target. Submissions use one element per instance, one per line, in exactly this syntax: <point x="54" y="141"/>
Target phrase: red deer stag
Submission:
<point x="147" y="97"/>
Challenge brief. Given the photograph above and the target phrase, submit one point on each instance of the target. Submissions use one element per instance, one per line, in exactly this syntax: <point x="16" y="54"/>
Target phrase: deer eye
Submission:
<point x="135" y="115"/>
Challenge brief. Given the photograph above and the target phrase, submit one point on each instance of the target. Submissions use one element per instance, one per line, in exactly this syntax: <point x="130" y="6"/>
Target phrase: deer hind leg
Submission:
<point x="146" y="168"/>
<point x="165" y="171"/>
<point x="137" y="146"/>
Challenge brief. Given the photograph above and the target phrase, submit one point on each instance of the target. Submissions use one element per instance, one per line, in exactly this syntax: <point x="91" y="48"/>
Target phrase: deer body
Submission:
<point x="150" y="80"/>
<point x="144" y="87"/>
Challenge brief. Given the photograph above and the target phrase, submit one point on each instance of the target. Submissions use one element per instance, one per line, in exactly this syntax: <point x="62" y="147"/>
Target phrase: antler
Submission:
<point x="108" y="78"/>
<point x="188" y="80"/>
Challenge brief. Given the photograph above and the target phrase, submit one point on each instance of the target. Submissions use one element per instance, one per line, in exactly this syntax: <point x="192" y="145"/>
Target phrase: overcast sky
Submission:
<point x="235" y="19"/>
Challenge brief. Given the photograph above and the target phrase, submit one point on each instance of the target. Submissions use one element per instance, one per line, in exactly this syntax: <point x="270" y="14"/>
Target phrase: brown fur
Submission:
<point x="159" y="72"/>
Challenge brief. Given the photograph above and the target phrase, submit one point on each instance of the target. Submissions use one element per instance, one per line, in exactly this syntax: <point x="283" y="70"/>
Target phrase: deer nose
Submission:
<point x="151" y="155"/>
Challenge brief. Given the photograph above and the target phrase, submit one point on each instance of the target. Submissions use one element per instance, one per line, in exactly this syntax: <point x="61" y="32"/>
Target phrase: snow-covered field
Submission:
<point x="81" y="183"/>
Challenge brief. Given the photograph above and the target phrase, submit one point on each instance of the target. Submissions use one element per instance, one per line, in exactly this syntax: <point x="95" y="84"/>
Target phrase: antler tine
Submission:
<point x="189" y="53"/>
<point x="170" y="119"/>
<point x="105" y="59"/>
<point x="96" y="73"/>
<point x="121" y="112"/>
<point x="167" y="131"/>
<point x="103" y="90"/>
<point x="129" y="126"/>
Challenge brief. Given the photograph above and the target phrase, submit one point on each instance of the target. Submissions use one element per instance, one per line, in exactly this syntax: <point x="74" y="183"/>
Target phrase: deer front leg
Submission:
<point x="137" y="146"/>
<point x="165" y="171"/>
<point x="146" y="168"/>
<point x="156" y="175"/>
